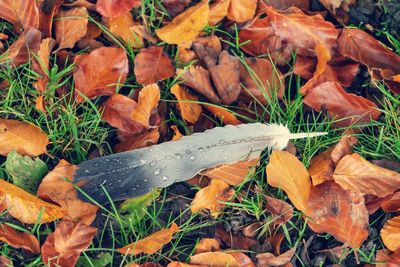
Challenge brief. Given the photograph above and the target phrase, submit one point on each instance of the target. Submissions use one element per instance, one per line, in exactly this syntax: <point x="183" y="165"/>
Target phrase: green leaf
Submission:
<point x="134" y="209"/>
<point x="26" y="172"/>
<point x="102" y="260"/>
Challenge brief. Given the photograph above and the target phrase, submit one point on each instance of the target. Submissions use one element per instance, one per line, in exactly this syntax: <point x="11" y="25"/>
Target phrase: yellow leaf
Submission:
<point x="242" y="10"/>
<point x="26" y="207"/>
<point x="186" y="26"/>
<point x="148" y="100"/>
<point x="190" y="110"/>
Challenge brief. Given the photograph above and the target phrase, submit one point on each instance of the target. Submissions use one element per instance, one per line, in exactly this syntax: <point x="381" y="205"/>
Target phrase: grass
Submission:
<point x="77" y="130"/>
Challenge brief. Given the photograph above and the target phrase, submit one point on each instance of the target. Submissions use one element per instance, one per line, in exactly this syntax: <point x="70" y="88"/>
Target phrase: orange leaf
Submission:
<point x="23" y="14"/>
<point x="149" y="97"/>
<point x="99" y="72"/>
<point x="18" y="239"/>
<point x="281" y="211"/>
<point x="223" y="114"/>
<point x="70" y="26"/>
<point x="186" y="26"/>
<point x="242" y="10"/>
<point x="152" y="65"/>
<point x="210" y="197"/>
<point x="57" y="187"/>
<point x="63" y="247"/>
<point x="25" y="138"/>
<point x="181" y="264"/>
<point x="177" y="133"/>
<point x="387" y="259"/>
<point x="207" y="245"/>
<point x="341" y="213"/>
<point x="121" y="26"/>
<point x="268" y="259"/>
<point x="390" y="234"/>
<point x="115" y="8"/>
<point x="151" y="244"/>
<point x="233" y="174"/>
<point x="26" y="207"/>
<point x="218" y="11"/>
<point x="355" y="173"/>
<point x="222" y="259"/>
<point x="285" y="171"/>
<point x="392" y="204"/>
<point x="145" y="139"/>
<point x="190" y="110"/>
<point x="41" y="63"/>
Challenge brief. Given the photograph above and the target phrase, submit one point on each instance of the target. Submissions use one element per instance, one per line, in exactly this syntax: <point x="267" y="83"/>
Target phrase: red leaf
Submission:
<point x="115" y="8"/>
<point x="18" y="239"/>
<point x="47" y="10"/>
<point x="23" y="14"/>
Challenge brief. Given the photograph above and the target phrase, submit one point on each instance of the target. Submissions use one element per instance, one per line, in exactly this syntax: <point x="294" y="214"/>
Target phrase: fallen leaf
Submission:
<point x="149" y="97"/>
<point x="206" y="245"/>
<point x="235" y="241"/>
<point x="198" y="78"/>
<point x="115" y="8"/>
<point x="24" y="138"/>
<point x="63" y="247"/>
<point x="47" y="11"/>
<point x="152" y="65"/>
<point x="4" y="261"/>
<point x="210" y="197"/>
<point x="41" y="64"/>
<point x="336" y="254"/>
<point x="189" y="108"/>
<point x="285" y="4"/>
<point x="145" y="139"/>
<point x="218" y="11"/>
<point x="285" y="171"/>
<point x="181" y="264"/>
<point x="57" y="187"/>
<point x="347" y="109"/>
<point x="70" y="26"/>
<point x="177" y="134"/>
<point x="355" y="173"/>
<point x="225" y="115"/>
<point x="99" y="72"/>
<point x="387" y="164"/>
<point x="151" y="244"/>
<point x="233" y="174"/>
<point x="186" y="26"/>
<point x="175" y="7"/>
<point x="226" y="77"/>
<point x="269" y="259"/>
<point x="281" y="211"/>
<point x="26" y="172"/>
<point x="338" y="212"/>
<point x="222" y="259"/>
<point x="387" y="259"/>
<point x="251" y="230"/>
<point x="18" y="239"/>
<point x="242" y="10"/>
<point x="26" y="207"/>
<point x="392" y="204"/>
<point x="120" y="27"/>
<point x="261" y="80"/>
<point x="23" y="14"/>
<point x="390" y="234"/>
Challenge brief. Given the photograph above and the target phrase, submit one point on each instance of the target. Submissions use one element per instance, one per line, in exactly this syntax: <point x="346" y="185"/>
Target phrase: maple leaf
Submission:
<point x="70" y="26"/>
<point x="18" y="239"/>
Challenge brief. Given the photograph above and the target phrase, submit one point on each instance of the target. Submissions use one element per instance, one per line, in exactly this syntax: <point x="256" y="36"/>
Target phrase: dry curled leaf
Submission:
<point x="145" y="139"/>
<point x="385" y="258"/>
<point x="222" y="259"/>
<point x="189" y="108"/>
<point x="64" y="246"/>
<point x="25" y="138"/>
<point x="392" y="204"/>
<point x="242" y="10"/>
<point x="281" y="211"/>
<point x="100" y="71"/>
<point x="18" y="239"/>
<point x="70" y="26"/>
<point x="23" y="14"/>
<point x="149" y="97"/>
<point x="26" y="207"/>
<point x="353" y="172"/>
<point x="285" y="171"/>
<point x="41" y="63"/>
<point x="211" y="196"/>
<point x="269" y="259"/>
<point x="151" y="244"/>
<point x="186" y="26"/>
<point x="390" y="234"/>
<point x="207" y="245"/>
<point x="57" y="187"/>
<point x="341" y="213"/>
<point x="234" y="241"/>
<point x="115" y="8"/>
<point x="152" y="65"/>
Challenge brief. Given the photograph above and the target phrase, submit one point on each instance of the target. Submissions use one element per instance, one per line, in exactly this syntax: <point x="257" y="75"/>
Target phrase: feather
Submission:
<point x="134" y="173"/>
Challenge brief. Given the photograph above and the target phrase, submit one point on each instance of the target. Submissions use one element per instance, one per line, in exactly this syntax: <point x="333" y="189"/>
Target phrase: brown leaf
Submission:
<point x="198" y="78"/>
<point x="392" y="204"/>
<point x="141" y="140"/>
<point x="121" y="27"/>
<point x="211" y="196"/>
<point x="281" y="211"/>
<point x="25" y="138"/>
<point x="222" y="259"/>
<point x="285" y="4"/>
<point x="268" y="259"/>
<point x="47" y="11"/>
<point x="225" y="115"/>
<point x="355" y="173"/>
<point x="99" y="72"/>
<point x="152" y="65"/>
<point x="18" y="239"/>
<point x="174" y="7"/>
<point x="41" y="64"/>
<point x="338" y="212"/>
<point x="339" y="8"/>
<point x="226" y="77"/>
<point x="70" y="26"/>
<point x="23" y="14"/>
<point x="347" y="108"/>
<point x="151" y="244"/>
<point x="387" y="259"/>
<point x="63" y="247"/>
<point x="218" y="11"/>
<point x="285" y="171"/>
<point x="187" y="103"/>
<point x="336" y="254"/>
<point x="186" y="26"/>
<point x="149" y="97"/>
<point x="235" y="241"/>
<point x="242" y="10"/>
<point x="322" y="166"/>
<point x="57" y="187"/>
<point x="390" y="234"/>
<point x="26" y="207"/>
<point x="206" y="245"/>
<point x="387" y="164"/>
<point x="115" y="8"/>
<point x="261" y="80"/>
<point x="233" y="174"/>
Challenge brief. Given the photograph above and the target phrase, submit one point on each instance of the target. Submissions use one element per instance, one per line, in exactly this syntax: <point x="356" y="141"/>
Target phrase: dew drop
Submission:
<point x="222" y="150"/>
<point x="201" y="149"/>
<point x="178" y="156"/>
<point x="134" y="189"/>
<point x="165" y="178"/>
<point x="222" y="141"/>
<point x="168" y="157"/>
<point x="157" y="171"/>
<point x="145" y="180"/>
<point x="188" y="151"/>
<point x="142" y="161"/>
<point x="87" y="171"/>
<point x="192" y="157"/>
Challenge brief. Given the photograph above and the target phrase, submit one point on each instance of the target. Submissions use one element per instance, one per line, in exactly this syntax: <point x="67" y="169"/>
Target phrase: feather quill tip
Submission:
<point x="305" y="135"/>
